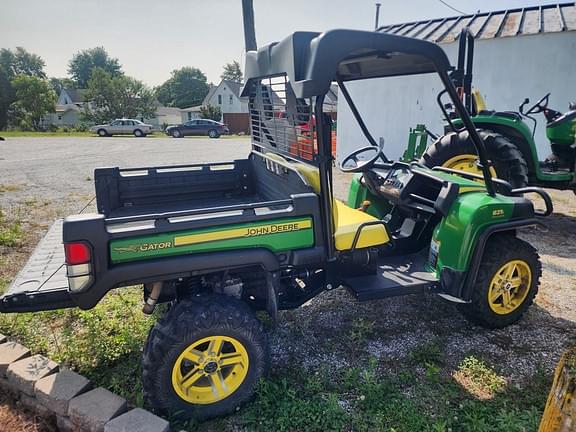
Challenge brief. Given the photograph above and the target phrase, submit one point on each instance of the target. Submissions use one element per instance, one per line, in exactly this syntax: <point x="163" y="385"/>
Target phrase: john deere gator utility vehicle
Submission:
<point x="219" y="241"/>
<point x="509" y="140"/>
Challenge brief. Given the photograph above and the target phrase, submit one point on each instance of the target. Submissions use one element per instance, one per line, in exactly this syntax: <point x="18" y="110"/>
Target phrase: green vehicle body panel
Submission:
<point x="357" y="194"/>
<point x="469" y="216"/>
<point x="485" y="120"/>
<point x="564" y="133"/>
<point x="277" y="235"/>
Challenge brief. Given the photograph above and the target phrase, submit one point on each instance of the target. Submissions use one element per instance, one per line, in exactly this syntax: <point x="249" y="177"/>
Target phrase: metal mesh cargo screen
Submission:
<point x="280" y="122"/>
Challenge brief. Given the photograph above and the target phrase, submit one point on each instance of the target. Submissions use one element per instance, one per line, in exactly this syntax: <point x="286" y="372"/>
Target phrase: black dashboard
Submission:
<point x="413" y="186"/>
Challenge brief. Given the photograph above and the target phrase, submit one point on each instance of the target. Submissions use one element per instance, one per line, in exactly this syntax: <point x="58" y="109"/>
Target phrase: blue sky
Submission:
<point x="153" y="37"/>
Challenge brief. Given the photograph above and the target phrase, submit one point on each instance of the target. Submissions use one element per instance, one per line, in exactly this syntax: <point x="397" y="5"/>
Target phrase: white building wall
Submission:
<point x="228" y="101"/>
<point x="506" y="70"/>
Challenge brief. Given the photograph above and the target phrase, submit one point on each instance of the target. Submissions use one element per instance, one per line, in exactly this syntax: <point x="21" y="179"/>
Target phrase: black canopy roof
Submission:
<point x="313" y="60"/>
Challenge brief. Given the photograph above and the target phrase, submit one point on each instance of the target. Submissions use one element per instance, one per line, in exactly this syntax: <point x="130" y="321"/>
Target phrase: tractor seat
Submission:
<point x="346" y="220"/>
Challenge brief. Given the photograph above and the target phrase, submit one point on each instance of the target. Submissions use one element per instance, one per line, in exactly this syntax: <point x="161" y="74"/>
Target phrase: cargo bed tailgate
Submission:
<point x="42" y="283"/>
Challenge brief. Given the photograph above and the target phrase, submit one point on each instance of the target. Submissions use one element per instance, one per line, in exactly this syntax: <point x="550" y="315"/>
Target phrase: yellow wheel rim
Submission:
<point x="509" y="287"/>
<point x="210" y="369"/>
<point x="466" y="163"/>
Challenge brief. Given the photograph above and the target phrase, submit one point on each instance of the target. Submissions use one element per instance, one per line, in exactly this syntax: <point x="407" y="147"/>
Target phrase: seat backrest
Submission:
<point x="310" y="173"/>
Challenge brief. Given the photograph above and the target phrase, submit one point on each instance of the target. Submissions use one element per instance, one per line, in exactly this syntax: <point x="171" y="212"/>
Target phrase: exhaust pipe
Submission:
<point x="249" y="29"/>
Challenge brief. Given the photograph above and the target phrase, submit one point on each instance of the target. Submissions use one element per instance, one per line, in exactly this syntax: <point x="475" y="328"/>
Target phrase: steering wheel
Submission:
<point x="360" y="160"/>
<point x="539" y="106"/>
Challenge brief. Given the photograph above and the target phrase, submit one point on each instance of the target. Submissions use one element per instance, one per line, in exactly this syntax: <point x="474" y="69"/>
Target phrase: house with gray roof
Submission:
<point x="519" y="53"/>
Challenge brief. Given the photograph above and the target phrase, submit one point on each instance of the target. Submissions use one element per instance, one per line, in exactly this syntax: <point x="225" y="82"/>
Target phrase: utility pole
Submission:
<point x="377" y="21"/>
<point x="249" y="27"/>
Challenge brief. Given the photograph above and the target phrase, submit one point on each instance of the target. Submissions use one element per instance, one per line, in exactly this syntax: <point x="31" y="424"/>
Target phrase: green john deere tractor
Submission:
<point x="509" y="140"/>
<point x="219" y="241"/>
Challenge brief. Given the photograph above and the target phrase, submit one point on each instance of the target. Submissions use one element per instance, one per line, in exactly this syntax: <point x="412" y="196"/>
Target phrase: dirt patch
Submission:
<point x="15" y="419"/>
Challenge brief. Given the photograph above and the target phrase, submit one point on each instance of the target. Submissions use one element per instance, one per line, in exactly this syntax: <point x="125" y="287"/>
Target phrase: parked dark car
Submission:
<point x="198" y="127"/>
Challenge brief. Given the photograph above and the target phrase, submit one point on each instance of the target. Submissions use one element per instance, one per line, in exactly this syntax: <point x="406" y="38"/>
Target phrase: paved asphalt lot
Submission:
<point x="54" y="168"/>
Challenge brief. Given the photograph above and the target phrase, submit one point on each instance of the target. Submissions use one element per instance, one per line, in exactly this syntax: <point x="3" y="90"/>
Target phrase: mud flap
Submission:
<point x="272" y="282"/>
<point x="42" y="283"/>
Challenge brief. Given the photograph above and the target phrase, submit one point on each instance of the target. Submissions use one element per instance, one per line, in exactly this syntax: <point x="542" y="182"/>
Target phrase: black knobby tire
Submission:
<point x="191" y="320"/>
<point x="500" y="250"/>
<point x="508" y="161"/>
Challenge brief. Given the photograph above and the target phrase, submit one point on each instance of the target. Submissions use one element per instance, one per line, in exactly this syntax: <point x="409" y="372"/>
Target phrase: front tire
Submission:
<point x="213" y="133"/>
<point x="204" y="357"/>
<point x="139" y="134"/>
<point x="506" y="284"/>
<point x="176" y="134"/>
<point x="457" y="151"/>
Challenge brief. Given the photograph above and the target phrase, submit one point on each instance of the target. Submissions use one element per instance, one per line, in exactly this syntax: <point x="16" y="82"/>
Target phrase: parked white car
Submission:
<point x="123" y="127"/>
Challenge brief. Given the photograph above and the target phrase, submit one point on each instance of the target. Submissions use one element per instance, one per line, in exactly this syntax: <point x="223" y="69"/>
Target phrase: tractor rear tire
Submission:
<point x="204" y="357"/>
<point x="506" y="158"/>
<point x="489" y="308"/>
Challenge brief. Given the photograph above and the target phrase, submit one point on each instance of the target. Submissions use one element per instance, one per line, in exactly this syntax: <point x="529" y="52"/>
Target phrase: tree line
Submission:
<point x="27" y="94"/>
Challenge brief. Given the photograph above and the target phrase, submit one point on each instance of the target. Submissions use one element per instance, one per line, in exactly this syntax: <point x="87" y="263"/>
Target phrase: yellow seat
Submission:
<point x="346" y="223"/>
<point x="346" y="220"/>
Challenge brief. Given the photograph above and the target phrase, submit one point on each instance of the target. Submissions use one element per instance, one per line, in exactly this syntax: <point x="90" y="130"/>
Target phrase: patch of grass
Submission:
<point x="104" y="343"/>
<point x="361" y="329"/>
<point x="10" y="232"/>
<point x="10" y="187"/>
<point x="430" y="353"/>
<point x="18" y="134"/>
<point x="479" y="379"/>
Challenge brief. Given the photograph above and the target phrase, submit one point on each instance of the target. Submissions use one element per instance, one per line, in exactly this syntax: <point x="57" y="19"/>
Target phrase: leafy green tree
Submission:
<point x="34" y="99"/>
<point x="211" y="112"/>
<point x="21" y="62"/>
<point x="232" y="72"/>
<point x="84" y="62"/>
<point x="60" y="83"/>
<point x="186" y="87"/>
<point x="112" y="97"/>
<point x="13" y="63"/>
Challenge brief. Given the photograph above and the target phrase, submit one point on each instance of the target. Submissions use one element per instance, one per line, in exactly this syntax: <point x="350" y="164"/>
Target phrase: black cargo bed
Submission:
<point x="204" y="203"/>
<point x="42" y="283"/>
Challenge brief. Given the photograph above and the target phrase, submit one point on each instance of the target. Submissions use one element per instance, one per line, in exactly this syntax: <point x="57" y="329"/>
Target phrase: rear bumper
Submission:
<point x="36" y="301"/>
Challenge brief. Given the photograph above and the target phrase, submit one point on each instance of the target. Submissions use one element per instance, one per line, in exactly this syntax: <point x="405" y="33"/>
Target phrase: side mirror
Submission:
<point x="572" y="106"/>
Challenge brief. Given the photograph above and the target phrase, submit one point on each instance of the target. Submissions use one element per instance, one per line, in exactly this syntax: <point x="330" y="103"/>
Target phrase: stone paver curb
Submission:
<point x="37" y="385"/>
<point x="137" y="420"/>
<point x="56" y="390"/>
<point x="9" y="353"/>
<point x="92" y="410"/>
<point x="23" y="374"/>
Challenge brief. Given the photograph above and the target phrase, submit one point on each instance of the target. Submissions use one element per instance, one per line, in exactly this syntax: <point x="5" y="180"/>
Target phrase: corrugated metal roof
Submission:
<point x="487" y="25"/>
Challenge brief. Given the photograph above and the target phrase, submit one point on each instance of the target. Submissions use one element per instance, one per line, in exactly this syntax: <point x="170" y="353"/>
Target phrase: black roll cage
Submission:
<point x="312" y="61"/>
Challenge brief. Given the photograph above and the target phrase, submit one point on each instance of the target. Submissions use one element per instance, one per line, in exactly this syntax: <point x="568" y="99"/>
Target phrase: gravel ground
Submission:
<point x="45" y="178"/>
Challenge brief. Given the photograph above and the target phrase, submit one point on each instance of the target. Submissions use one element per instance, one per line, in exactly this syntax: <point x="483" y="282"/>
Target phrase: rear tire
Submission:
<point x="102" y="133"/>
<point x="212" y="133"/>
<point x="173" y="382"/>
<point x="505" y="156"/>
<point x="489" y="307"/>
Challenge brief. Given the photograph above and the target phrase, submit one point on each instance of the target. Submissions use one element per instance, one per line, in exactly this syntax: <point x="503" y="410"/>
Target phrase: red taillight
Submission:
<point x="77" y="253"/>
